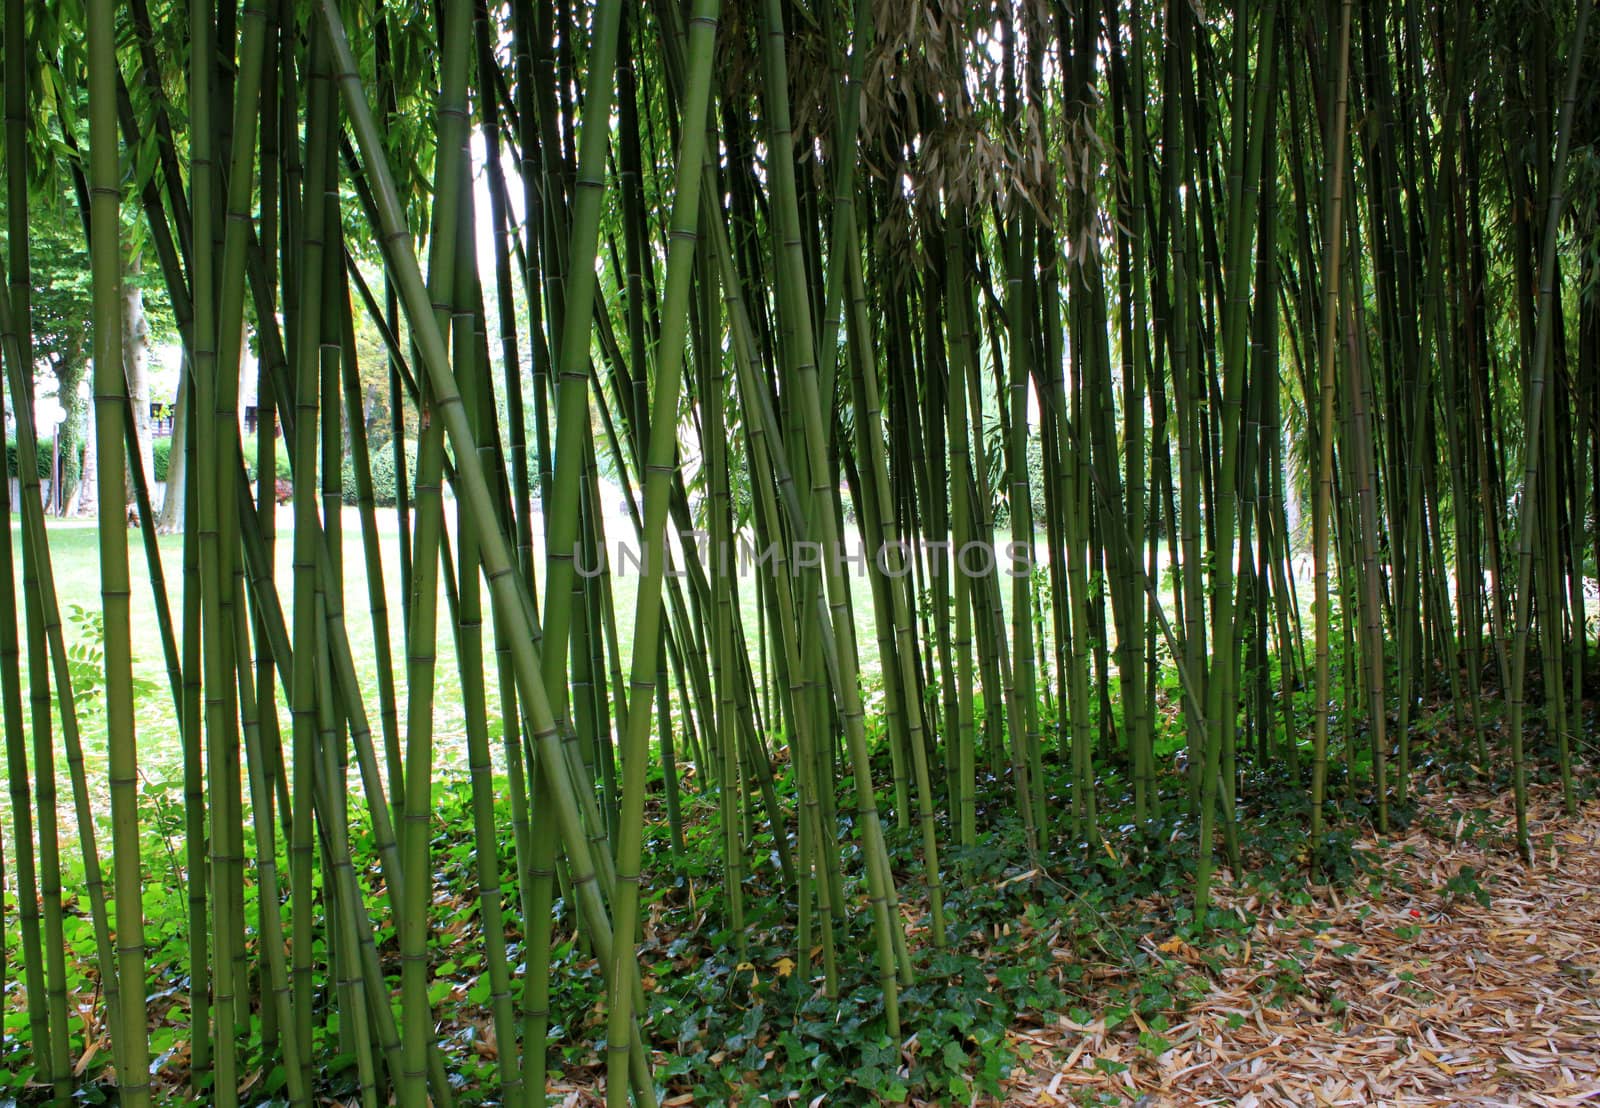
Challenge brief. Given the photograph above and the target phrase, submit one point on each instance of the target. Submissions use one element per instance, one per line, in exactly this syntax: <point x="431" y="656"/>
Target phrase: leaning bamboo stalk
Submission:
<point x="354" y="1026"/>
<point x="511" y="601"/>
<point x="572" y="353"/>
<point x="869" y="414"/>
<point x="472" y="357"/>
<point x="661" y="451"/>
<point x="818" y="867"/>
<point x="47" y="636"/>
<point x="271" y="921"/>
<point x="802" y="360"/>
<point x="377" y="598"/>
<point x="43" y="1028"/>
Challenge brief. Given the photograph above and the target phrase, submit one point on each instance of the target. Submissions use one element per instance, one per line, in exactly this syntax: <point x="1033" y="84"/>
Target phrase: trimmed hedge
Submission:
<point x="72" y="461"/>
<point x="383" y="475"/>
<point x="161" y="454"/>
<point x="280" y="459"/>
<point x="11" y="461"/>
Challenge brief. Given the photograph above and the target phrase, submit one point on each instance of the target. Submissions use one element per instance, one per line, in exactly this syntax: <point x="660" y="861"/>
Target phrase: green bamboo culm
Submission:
<point x="1537" y="374"/>
<point x="801" y="361"/>
<point x="105" y="185"/>
<point x="511" y="604"/>
<point x="42" y="1030"/>
<point x="620" y="1037"/>
<point x="1322" y="511"/>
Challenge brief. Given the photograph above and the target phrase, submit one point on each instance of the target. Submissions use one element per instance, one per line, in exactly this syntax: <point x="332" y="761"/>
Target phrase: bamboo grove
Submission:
<point x="1064" y="420"/>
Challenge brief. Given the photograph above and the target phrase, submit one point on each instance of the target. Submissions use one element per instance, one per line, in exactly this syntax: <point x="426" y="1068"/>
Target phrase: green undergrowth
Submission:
<point x="1028" y="940"/>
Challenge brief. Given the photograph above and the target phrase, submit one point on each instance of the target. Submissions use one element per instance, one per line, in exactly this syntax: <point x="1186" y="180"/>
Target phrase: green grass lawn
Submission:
<point x="74" y="553"/>
<point x="75" y="560"/>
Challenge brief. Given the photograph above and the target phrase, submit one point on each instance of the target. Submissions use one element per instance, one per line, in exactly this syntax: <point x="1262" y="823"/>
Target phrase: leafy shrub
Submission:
<point x="161" y="454"/>
<point x="71" y="456"/>
<point x="383" y="475"/>
<point x="280" y="458"/>
<point x="11" y="461"/>
<point x="1001" y="480"/>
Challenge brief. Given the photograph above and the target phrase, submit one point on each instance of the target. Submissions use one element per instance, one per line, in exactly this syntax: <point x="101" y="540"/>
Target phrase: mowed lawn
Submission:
<point x="75" y="560"/>
<point x="74" y="555"/>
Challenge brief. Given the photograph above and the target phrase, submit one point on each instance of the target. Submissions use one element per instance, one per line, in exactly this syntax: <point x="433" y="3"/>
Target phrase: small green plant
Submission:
<point x="1288" y="982"/>
<point x="86" y="661"/>
<point x="1464" y="886"/>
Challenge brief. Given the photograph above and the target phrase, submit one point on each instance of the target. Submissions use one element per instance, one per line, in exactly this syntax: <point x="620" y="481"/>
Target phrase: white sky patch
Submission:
<point x="483" y="214"/>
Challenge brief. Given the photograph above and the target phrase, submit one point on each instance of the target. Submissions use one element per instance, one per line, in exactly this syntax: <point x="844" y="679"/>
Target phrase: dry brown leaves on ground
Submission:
<point x="1416" y="994"/>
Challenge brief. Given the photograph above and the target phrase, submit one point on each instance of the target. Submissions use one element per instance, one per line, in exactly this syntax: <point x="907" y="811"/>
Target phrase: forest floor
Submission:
<point x="1462" y="978"/>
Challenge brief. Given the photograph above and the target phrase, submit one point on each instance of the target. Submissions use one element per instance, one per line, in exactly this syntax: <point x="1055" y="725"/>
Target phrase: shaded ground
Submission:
<point x="1419" y="993"/>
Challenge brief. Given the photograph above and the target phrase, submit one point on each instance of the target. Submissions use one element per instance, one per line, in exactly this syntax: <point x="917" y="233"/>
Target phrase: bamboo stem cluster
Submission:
<point x="890" y="295"/>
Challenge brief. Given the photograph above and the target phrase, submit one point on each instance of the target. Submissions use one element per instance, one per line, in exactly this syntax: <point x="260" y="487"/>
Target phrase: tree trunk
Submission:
<point x="69" y="367"/>
<point x="172" y="504"/>
<point x="81" y="501"/>
<point x="136" y="367"/>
